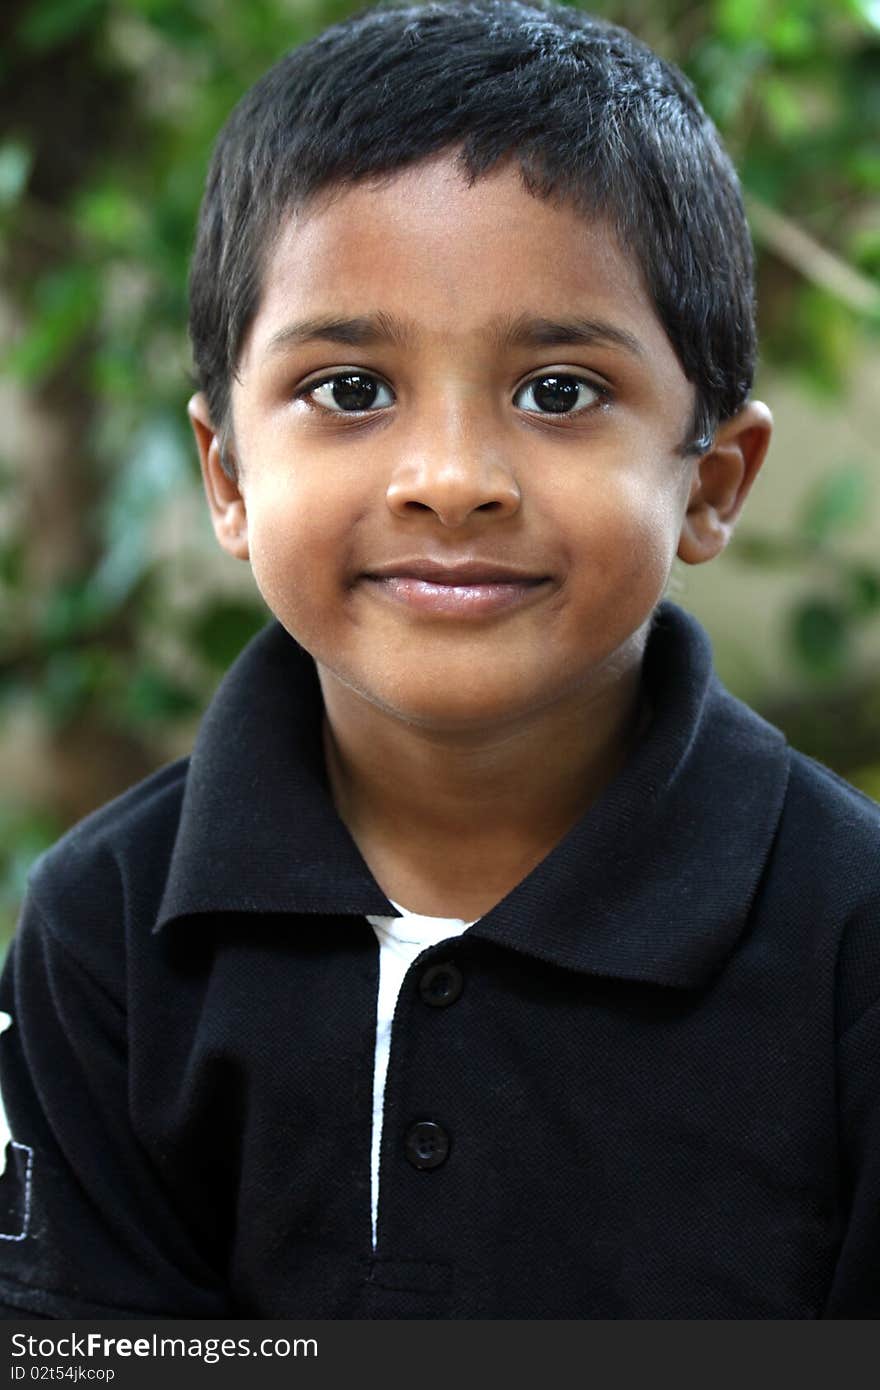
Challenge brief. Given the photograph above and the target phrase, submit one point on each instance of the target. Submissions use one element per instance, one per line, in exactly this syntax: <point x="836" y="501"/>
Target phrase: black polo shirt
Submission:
<point x="657" y="1091"/>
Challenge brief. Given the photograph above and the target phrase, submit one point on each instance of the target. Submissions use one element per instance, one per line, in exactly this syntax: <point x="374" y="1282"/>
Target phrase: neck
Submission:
<point x="449" y="822"/>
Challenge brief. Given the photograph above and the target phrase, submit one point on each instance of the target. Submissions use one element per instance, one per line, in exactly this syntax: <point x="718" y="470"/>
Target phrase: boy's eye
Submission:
<point x="555" y="393"/>
<point x="350" y="391"/>
<point x="558" y="394"/>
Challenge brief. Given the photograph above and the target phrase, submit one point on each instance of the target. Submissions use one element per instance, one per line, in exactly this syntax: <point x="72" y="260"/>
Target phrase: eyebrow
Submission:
<point x="367" y="330"/>
<point x="527" y="331"/>
<point x="372" y="330"/>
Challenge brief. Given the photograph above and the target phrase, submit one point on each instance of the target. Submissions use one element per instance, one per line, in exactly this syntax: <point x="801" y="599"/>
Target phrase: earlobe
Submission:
<point x="721" y="482"/>
<point x="225" y="498"/>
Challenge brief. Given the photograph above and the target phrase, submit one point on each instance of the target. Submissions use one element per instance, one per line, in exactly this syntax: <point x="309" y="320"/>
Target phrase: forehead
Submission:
<point x="451" y="263"/>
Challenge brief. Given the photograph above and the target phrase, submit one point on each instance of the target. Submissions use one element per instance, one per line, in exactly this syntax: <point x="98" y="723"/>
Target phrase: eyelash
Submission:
<point x="602" y="393"/>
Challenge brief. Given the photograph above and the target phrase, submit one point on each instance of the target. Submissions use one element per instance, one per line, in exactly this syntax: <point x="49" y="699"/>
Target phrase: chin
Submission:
<point x="439" y="707"/>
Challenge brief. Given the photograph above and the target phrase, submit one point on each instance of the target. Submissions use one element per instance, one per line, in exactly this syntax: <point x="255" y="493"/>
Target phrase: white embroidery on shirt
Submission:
<point x="6" y="1143"/>
<point x="28" y="1173"/>
<point x="5" y="1134"/>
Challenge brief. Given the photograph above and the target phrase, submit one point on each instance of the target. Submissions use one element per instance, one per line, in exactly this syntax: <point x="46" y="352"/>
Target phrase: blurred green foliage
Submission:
<point x="823" y="627"/>
<point x="109" y="111"/>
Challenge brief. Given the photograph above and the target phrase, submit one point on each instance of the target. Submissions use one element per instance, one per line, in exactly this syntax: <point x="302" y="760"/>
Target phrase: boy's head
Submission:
<point x="590" y="115"/>
<point x="472" y="312"/>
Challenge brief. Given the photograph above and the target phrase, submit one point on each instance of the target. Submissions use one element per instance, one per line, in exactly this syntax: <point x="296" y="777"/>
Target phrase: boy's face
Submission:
<point x="444" y="541"/>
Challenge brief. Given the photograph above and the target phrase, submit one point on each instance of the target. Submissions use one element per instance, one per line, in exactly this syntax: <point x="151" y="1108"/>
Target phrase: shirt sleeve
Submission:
<point x="855" y="1291"/>
<point x="86" y="1227"/>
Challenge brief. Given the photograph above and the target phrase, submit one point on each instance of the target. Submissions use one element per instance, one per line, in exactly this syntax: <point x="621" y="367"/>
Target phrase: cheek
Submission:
<point x="655" y="530"/>
<point x="629" y="521"/>
<point x="299" y="533"/>
<point x="277" y="522"/>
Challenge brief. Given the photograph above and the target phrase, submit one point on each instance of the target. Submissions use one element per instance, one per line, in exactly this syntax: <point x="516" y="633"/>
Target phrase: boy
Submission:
<point x="487" y="959"/>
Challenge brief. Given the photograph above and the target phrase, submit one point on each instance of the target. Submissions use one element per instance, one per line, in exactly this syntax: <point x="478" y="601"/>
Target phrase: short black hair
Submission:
<point x="592" y="116"/>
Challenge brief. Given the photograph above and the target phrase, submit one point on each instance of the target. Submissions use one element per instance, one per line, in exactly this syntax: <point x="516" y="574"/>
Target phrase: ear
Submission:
<point x="225" y="498"/>
<point x="722" y="480"/>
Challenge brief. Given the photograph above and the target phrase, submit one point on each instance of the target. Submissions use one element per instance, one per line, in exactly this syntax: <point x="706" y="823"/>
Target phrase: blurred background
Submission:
<point x="118" y="614"/>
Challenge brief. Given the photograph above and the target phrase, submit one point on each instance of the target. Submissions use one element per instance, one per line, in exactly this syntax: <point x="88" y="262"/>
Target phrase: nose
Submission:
<point x="455" y="472"/>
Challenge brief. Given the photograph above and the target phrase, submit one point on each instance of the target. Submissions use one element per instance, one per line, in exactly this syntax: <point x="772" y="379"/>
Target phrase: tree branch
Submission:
<point x="815" y="262"/>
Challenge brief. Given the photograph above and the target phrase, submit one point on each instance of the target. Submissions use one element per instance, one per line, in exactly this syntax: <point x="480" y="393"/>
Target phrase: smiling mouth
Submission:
<point x="469" y="589"/>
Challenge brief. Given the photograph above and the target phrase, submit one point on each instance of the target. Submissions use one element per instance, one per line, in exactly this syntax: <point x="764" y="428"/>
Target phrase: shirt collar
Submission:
<point x="654" y="883"/>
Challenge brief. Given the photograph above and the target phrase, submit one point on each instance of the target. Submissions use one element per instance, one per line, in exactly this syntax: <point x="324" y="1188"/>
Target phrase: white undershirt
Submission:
<point x="401" y="939"/>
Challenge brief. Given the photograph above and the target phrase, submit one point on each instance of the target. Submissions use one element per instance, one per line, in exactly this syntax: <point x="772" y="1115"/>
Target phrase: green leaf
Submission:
<point x="50" y="22"/>
<point x="863" y="167"/>
<point x="116" y="370"/>
<point x="770" y="552"/>
<point x="724" y="77"/>
<point x="12" y="562"/>
<point x="791" y="35"/>
<point x="865" y="249"/>
<point x="837" y="503"/>
<point x="739" y="20"/>
<point x="820" y="337"/>
<point x="25" y="832"/>
<point x="109" y="215"/>
<point x="785" y="107"/>
<point x="71" y="677"/>
<point x="66" y="307"/>
<point x="863" y="589"/>
<point x="70" y="611"/>
<point x="220" y="631"/>
<point x="152" y="695"/>
<point x="819" y="637"/>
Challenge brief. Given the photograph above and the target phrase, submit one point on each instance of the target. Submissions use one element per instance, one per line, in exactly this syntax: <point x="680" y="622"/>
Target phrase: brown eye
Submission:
<point x="558" y="394"/>
<point x="348" y="392"/>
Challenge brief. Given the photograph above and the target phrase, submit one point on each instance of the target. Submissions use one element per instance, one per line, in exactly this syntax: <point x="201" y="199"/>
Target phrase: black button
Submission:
<point x="427" y="1145"/>
<point x="441" y="984"/>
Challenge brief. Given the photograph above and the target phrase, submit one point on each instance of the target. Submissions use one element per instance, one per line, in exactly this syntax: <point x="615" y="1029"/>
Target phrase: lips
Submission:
<point x="467" y="588"/>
